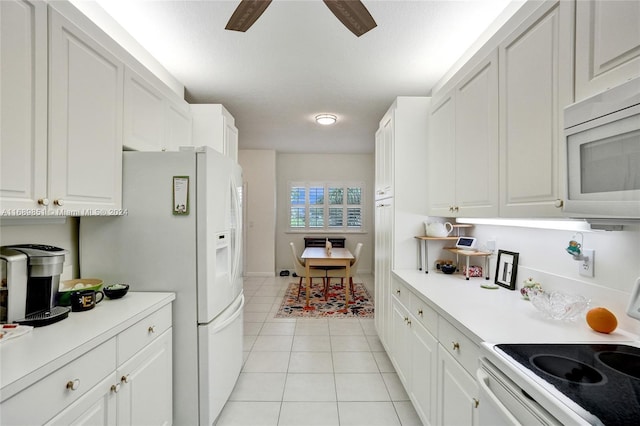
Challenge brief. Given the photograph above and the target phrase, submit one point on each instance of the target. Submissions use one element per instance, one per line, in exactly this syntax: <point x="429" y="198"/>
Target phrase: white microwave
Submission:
<point x="602" y="135"/>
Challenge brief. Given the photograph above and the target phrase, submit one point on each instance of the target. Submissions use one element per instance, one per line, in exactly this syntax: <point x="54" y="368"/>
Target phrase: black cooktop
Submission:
<point x="604" y="379"/>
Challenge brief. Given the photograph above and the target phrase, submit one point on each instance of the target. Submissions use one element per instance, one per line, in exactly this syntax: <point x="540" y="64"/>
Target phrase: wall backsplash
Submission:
<point x="64" y="235"/>
<point x="543" y="257"/>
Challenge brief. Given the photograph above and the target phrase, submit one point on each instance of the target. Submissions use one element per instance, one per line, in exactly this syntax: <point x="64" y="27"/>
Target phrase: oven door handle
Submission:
<point x="483" y="380"/>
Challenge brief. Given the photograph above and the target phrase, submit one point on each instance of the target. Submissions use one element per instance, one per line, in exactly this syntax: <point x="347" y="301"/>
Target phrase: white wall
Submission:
<point x="64" y="235"/>
<point x="324" y="167"/>
<point x="259" y="176"/>
<point x="542" y="256"/>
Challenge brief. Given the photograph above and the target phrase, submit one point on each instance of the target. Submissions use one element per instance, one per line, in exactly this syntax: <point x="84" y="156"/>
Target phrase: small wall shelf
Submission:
<point x="423" y="245"/>
<point x="469" y="254"/>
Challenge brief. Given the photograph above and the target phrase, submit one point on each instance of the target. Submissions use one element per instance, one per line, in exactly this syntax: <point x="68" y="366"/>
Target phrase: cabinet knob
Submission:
<point x="408" y="322"/>
<point x="456" y="208"/>
<point x="58" y="202"/>
<point x="73" y="384"/>
<point x="151" y="329"/>
<point x="398" y="291"/>
<point x="43" y="201"/>
<point x="558" y="204"/>
<point x="456" y="346"/>
<point x="450" y="208"/>
<point x="124" y="379"/>
<point x="476" y="402"/>
<point x="406" y="319"/>
<point x="115" y="388"/>
<point x="420" y="312"/>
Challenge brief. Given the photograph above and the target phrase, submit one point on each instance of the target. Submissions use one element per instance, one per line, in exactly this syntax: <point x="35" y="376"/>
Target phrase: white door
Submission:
<point x="219" y="360"/>
<point x="214" y="247"/>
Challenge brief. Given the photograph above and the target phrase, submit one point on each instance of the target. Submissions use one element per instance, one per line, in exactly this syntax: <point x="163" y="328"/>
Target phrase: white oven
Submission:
<point x="602" y="136"/>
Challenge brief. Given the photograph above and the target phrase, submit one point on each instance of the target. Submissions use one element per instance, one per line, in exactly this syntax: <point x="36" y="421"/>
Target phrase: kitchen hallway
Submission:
<point x="312" y="371"/>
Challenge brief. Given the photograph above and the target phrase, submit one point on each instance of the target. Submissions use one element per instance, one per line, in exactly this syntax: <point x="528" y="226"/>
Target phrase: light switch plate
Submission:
<point x="585" y="266"/>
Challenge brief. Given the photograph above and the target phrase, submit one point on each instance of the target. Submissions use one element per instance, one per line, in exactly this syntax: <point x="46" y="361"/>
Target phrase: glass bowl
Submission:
<point x="558" y="305"/>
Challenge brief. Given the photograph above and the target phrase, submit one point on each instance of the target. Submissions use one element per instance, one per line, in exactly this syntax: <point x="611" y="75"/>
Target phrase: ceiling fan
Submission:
<point x="352" y="13"/>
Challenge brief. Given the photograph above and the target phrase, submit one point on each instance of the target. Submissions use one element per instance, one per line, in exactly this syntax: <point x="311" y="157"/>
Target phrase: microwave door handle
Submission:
<point x="483" y="380"/>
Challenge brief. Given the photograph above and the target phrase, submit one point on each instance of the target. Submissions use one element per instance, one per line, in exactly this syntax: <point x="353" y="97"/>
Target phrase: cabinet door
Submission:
<point x="535" y="84"/>
<point x="384" y="150"/>
<point x="143" y="114"/>
<point x="382" y="299"/>
<point x="178" y="126"/>
<point x="86" y="86"/>
<point x="607" y="45"/>
<point x="97" y="407"/>
<point x="424" y="365"/>
<point x="476" y="135"/>
<point x="23" y="104"/>
<point x="457" y="393"/>
<point x="145" y="395"/>
<point x="231" y="140"/>
<point x="401" y="342"/>
<point x="441" y="157"/>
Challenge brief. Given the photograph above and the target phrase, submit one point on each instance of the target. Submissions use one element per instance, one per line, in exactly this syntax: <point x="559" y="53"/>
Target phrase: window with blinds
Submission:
<point x="327" y="206"/>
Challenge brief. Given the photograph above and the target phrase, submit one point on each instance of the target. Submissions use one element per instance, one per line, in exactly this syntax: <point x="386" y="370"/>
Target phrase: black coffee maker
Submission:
<point x="30" y="280"/>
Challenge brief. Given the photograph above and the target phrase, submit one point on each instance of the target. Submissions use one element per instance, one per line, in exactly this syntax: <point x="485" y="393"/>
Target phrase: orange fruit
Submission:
<point x="602" y="320"/>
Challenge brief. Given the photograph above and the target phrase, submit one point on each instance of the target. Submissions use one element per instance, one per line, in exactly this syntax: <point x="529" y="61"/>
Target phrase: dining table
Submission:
<point x="321" y="256"/>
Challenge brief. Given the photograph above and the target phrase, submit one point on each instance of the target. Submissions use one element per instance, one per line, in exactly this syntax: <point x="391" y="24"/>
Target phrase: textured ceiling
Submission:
<point x="298" y="60"/>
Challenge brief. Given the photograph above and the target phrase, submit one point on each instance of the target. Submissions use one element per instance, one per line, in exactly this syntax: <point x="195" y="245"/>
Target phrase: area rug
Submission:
<point x="360" y="306"/>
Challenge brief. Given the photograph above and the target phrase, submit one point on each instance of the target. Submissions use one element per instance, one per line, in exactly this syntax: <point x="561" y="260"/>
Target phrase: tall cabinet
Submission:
<point x="401" y="196"/>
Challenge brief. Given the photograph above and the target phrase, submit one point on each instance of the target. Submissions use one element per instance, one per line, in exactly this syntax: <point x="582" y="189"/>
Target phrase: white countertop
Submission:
<point x="497" y="316"/>
<point x="30" y="357"/>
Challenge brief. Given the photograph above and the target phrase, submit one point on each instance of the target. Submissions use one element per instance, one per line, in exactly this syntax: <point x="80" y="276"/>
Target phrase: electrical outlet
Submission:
<point x="585" y="266"/>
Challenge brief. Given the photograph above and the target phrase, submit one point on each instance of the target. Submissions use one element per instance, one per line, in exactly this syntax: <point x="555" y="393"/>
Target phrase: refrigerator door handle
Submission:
<point x="234" y="311"/>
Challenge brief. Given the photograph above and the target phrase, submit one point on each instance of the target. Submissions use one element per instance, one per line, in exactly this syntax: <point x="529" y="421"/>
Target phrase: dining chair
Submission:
<point x="342" y="272"/>
<point x="301" y="271"/>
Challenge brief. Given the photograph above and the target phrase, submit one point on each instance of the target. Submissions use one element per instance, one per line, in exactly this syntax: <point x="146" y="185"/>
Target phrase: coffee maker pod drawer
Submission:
<point x="49" y="396"/>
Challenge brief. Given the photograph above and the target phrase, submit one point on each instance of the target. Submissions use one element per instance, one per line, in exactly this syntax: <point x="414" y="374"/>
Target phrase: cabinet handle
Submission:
<point x="43" y="201"/>
<point x="408" y="322"/>
<point x="58" y="202"/>
<point x="456" y="208"/>
<point x="559" y="203"/>
<point x="450" y="208"/>
<point x="73" y="384"/>
<point x="398" y="291"/>
<point x="420" y="312"/>
<point x="115" y="388"/>
<point x="476" y="402"/>
<point x="124" y="379"/>
<point x="406" y="319"/>
<point x="151" y="329"/>
<point x="456" y="346"/>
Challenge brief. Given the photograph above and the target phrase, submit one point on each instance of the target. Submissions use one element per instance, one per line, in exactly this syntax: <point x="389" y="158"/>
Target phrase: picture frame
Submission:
<point x="507" y="269"/>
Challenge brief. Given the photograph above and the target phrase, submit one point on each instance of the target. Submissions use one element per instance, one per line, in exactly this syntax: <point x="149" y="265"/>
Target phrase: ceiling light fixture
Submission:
<point x="326" y="119"/>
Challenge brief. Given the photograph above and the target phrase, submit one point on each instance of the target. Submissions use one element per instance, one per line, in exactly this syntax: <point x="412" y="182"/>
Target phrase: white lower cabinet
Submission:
<point x="144" y="395"/>
<point x="126" y="380"/>
<point x="457" y="402"/>
<point x="434" y="361"/>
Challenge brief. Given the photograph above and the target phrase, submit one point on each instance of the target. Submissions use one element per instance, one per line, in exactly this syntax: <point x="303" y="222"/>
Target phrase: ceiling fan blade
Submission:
<point x="353" y="14"/>
<point x="246" y="14"/>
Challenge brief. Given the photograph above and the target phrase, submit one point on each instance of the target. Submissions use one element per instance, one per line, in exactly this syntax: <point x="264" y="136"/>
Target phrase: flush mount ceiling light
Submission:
<point x="326" y="119"/>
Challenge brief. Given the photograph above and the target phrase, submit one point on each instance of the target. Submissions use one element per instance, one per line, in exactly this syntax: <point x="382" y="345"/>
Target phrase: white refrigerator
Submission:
<point x="181" y="231"/>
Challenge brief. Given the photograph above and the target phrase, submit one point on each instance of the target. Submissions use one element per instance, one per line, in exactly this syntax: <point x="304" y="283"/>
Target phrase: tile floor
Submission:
<point x="312" y="371"/>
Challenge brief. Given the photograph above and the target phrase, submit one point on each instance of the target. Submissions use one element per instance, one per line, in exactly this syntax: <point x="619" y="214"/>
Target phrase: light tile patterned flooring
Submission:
<point x="312" y="371"/>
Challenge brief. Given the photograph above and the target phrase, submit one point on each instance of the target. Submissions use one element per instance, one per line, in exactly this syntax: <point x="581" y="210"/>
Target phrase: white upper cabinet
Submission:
<point x="441" y="156"/>
<point x="535" y="84"/>
<point x="384" y="160"/>
<point x="23" y="105"/>
<point x="476" y="176"/>
<point x="463" y="147"/>
<point x="86" y="86"/>
<point x="214" y="126"/>
<point x="153" y="121"/>
<point x="607" y="44"/>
